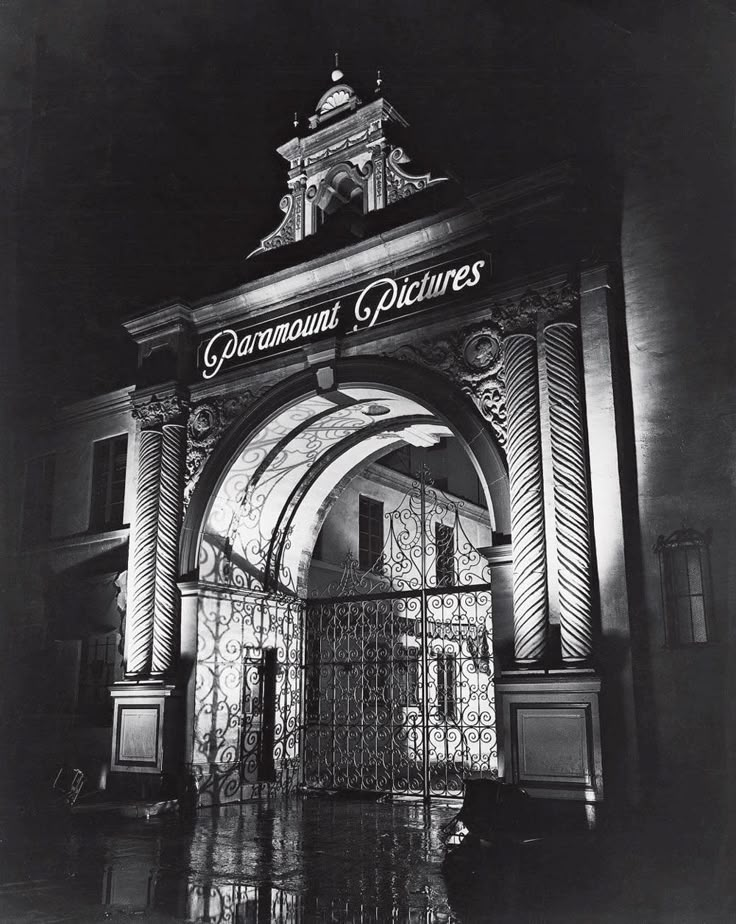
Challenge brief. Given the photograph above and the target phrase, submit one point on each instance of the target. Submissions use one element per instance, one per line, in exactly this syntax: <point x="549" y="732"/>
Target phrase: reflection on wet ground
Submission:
<point x="321" y="859"/>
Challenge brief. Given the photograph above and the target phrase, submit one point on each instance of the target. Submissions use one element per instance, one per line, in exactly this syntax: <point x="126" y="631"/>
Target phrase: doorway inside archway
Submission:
<point x="345" y="636"/>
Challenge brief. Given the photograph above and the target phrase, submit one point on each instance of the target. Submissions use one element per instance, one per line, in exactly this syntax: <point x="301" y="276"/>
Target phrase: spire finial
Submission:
<point x="296" y="120"/>
<point x="379" y="82"/>
<point x="337" y="74"/>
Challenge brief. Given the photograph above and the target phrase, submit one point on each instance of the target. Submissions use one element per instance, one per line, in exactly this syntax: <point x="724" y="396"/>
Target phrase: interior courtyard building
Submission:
<point x="443" y="490"/>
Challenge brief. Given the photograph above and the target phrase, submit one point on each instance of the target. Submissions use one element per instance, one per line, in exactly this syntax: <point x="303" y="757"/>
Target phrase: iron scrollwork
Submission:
<point x="235" y="754"/>
<point x="399" y="668"/>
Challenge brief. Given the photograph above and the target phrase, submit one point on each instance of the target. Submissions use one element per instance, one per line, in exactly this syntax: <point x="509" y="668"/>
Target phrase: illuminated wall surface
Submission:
<point x="586" y="376"/>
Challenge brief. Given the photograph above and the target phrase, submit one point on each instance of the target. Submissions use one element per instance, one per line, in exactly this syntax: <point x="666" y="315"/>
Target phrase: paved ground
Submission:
<point x="331" y="859"/>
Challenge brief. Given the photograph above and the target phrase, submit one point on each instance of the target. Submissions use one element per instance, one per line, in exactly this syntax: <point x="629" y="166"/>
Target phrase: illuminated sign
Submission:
<point x="378" y="302"/>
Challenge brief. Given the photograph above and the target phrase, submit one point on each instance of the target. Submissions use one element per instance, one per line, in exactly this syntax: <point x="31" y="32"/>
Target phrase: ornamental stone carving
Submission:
<point x="359" y="143"/>
<point x="472" y="358"/>
<point x="285" y="233"/>
<point x="399" y="183"/>
<point x="336" y="148"/>
<point x="378" y="159"/>
<point x="522" y="315"/>
<point x="154" y="411"/>
<point x="208" y="421"/>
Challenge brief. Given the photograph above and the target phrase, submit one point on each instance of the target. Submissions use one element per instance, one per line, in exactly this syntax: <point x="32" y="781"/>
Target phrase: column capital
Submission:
<point x="156" y="407"/>
<point x="527" y="312"/>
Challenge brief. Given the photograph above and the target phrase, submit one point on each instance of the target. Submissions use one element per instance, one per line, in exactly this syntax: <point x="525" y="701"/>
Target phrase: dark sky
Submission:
<point x="144" y="131"/>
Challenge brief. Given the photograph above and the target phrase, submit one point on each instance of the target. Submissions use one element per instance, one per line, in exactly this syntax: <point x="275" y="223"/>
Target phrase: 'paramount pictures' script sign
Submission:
<point x="379" y="301"/>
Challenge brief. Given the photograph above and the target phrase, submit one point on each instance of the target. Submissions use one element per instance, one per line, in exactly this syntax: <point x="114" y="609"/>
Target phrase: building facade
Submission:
<point x="273" y="602"/>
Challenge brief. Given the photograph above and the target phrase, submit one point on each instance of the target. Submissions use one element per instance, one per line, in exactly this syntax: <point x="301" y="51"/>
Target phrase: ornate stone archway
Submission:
<point x="510" y="383"/>
<point x="262" y="515"/>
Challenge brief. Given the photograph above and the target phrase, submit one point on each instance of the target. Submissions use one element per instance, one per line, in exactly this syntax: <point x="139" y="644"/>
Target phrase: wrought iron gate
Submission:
<point x="399" y="666"/>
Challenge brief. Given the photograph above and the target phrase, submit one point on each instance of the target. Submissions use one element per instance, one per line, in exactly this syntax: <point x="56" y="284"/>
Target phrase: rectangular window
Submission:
<point x="684" y="566"/>
<point x="108" y="483"/>
<point x="370" y="534"/>
<point x="38" y="500"/>
<point x="444" y="537"/>
<point x="408" y="673"/>
<point x="98" y="670"/>
<point x="446" y="679"/>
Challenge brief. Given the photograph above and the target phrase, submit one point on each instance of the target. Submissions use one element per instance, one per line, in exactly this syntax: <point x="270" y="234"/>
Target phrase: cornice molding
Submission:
<point x="158" y="320"/>
<point x="113" y="402"/>
<point x="393" y="250"/>
<point x="390" y="478"/>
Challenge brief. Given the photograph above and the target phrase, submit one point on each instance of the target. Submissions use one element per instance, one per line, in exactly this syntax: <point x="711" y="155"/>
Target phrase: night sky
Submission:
<point x="143" y="132"/>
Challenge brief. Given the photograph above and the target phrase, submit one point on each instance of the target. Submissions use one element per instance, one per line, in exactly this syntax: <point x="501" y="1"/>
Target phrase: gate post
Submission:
<point x="146" y="704"/>
<point x="550" y="716"/>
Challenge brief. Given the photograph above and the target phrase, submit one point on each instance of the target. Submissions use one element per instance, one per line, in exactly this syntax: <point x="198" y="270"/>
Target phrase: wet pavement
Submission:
<point x="333" y="859"/>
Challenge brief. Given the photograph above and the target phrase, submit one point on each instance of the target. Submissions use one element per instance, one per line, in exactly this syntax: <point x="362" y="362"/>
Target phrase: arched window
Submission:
<point x="684" y="570"/>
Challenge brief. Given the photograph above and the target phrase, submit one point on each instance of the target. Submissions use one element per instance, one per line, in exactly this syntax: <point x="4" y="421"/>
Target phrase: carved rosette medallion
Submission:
<point x="208" y="422"/>
<point x="472" y="358"/>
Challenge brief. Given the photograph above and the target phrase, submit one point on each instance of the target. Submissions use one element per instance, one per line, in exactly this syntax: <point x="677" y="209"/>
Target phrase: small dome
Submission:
<point x="337" y="74"/>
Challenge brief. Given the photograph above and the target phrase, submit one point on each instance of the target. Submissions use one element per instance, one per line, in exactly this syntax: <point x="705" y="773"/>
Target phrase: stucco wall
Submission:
<point x="675" y="239"/>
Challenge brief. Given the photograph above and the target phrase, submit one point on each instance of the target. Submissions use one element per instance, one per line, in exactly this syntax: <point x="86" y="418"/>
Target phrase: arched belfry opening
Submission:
<point x="344" y="597"/>
<point x="341" y="197"/>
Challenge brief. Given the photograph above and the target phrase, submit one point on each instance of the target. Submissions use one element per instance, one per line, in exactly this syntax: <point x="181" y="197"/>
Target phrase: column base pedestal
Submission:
<point x="146" y="736"/>
<point x="551" y="733"/>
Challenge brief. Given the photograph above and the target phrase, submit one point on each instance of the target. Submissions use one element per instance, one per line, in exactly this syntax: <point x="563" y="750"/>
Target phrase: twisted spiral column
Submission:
<point x="524" y="453"/>
<point x="139" y="629"/>
<point x="170" y="499"/>
<point x="569" y="472"/>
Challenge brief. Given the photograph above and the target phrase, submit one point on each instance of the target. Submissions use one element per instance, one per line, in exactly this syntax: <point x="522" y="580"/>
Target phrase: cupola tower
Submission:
<point x="350" y="159"/>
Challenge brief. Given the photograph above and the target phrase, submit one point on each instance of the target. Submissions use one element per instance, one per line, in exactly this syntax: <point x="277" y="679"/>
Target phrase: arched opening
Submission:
<point x="340" y="200"/>
<point x="344" y="590"/>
